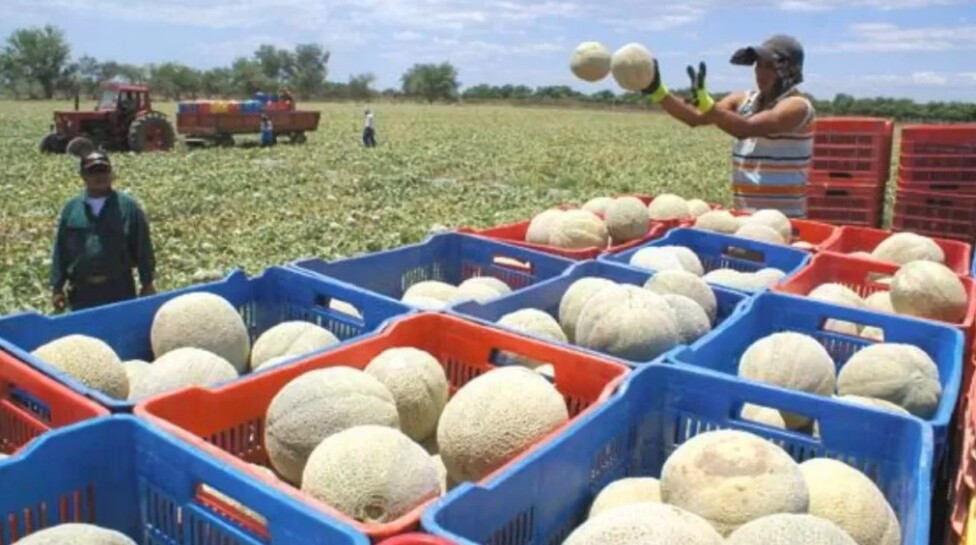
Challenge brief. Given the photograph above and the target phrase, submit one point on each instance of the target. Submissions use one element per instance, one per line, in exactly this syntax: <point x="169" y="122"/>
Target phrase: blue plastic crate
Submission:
<point x="718" y="251"/>
<point x="277" y="295"/>
<point x="119" y="473"/>
<point x="447" y="257"/>
<point x="545" y="496"/>
<point x="547" y="295"/>
<point x="771" y="313"/>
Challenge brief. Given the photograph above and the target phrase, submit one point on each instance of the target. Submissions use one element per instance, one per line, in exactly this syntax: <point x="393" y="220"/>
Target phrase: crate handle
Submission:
<point x="944" y="187"/>
<point x="840" y="175"/>
<point x="738" y="252"/>
<point x="837" y="193"/>
<point x="506" y="262"/>
<point x="938" y="202"/>
<point x="229" y="507"/>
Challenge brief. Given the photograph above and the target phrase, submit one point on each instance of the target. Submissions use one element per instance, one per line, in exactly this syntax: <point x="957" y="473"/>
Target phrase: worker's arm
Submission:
<point x="140" y="245"/>
<point x="784" y="117"/>
<point x="682" y="111"/>
<point x="59" y="267"/>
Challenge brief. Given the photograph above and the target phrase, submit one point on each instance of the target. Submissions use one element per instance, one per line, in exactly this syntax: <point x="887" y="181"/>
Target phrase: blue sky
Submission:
<point x="922" y="49"/>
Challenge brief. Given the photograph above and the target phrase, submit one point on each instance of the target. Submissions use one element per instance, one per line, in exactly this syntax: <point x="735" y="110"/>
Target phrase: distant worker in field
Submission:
<point x="369" y="129"/>
<point x="102" y="235"/>
<point x="267" y="131"/>
<point x="285" y="96"/>
<point x="773" y="125"/>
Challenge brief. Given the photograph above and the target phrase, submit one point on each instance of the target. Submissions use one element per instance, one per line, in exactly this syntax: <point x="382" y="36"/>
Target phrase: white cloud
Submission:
<point x="888" y="37"/>
<point x="914" y="79"/>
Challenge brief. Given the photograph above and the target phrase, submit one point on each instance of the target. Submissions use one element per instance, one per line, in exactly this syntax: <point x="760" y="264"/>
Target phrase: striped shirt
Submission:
<point x="771" y="171"/>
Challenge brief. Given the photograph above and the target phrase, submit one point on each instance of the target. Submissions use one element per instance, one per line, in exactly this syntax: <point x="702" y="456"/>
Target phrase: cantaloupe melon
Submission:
<point x="495" y="417"/>
<point x="775" y="220"/>
<point x="839" y="294"/>
<point x="628" y="322"/>
<point x="880" y="301"/>
<point x="441" y="472"/>
<point x="690" y="317"/>
<point x="732" y="478"/>
<point x="844" y="496"/>
<point x="668" y="258"/>
<point x="76" y="534"/>
<point x="929" y="290"/>
<point x="899" y="373"/>
<point x="626" y="219"/>
<point x="762" y="233"/>
<point x="535" y="323"/>
<point x="373" y="474"/>
<point x="590" y="61"/>
<point x="540" y="228"/>
<point x="687" y="284"/>
<point x="632" y="67"/>
<point x="698" y="207"/>
<point x="89" y="361"/>
<point x="873" y="333"/>
<point x="763" y="415"/>
<point x="790" y="529"/>
<point x="205" y="321"/>
<point x="181" y="368"/>
<point x="578" y="230"/>
<point x="666" y="207"/>
<point x="575" y="298"/>
<point x="134" y="369"/>
<point x="418" y="384"/>
<point x="483" y="289"/>
<point x="903" y="248"/>
<point x="598" y="205"/>
<point x="318" y="404"/>
<point x="718" y="221"/>
<point x="645" y="524"/>
<point x="290" y="339"/>
<point x="430" y="293"/>
<point x="626" y="492"/>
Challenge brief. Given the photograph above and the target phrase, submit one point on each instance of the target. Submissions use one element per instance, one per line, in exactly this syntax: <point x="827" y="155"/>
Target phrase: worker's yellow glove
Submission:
<point x="656" y="91"/>
<point x="700" y="98"/>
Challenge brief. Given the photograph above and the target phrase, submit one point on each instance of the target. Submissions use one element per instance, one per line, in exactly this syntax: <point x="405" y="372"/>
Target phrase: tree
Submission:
<point x="431" y="81"/>
<point x="89" y="74"/>
<point x="217" y="82"/>
<point x="277" y="64"/>
<point x="174" y="80"/>
<point x="248" y="78"/>
<point x="310" y="69"/>
<point x="38" y="55"/>
<point x="359" y="87"/>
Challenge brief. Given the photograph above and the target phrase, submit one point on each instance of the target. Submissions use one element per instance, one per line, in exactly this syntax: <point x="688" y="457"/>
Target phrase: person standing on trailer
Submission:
<point x="267" y="131"/>
<point x="102" y="235"/>
<point x="369" y="129"/>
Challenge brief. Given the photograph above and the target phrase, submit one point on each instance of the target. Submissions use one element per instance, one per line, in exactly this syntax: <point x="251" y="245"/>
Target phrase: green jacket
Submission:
<point x="109" y="244"/>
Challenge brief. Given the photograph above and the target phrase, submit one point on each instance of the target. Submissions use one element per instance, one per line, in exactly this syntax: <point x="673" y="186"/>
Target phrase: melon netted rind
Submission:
<point x="535" y="323"/>
<point x="598" y="205"/>
<point x="318" y="404"/>
<point x="846" y="497"/>
<point x="590" y="61"/>
<point x="628" y="322"/>
<point x="632" y="67"/>
<point x="839" y="294"/>
<point x="902" y="374"/>
<point x="575" y="298"/>
<point x="775" y="220"/>
<point x="698" y="207"/>
<point x="182" y="368"/>
<point x="690" y="317"/>
<point x="875" y="403"/>
<point x="205" y="321"/>
<point x="293" y="338"/>
<point x="731" y="478"/>
<point x="790" y="360"/>
<point x="790" y="529"/>
<point x="667" y="207"/>
<point x="929" y="290"/>
<point x="483" y="289"/>
<point x="430" y="290"/>
<point x="687" y="284"/>
<point x="578" y="230"/>
<point x="760" y="232"/>
<point x="88" y="360"/>
<point x="418" y="384"/>
<point x="540" y="228"/>
<point x="763" y="415"/>
<point x="718" y="221"/>
<point x="373" y="474"/>
<point x="134" y="369"/>
<point x="880" y="301"/>
<point x="903" y="248"/>
<point x="626" y="219"/>
<point x="645" y="524"/>
<point x="495" y="417"/>
<point x="626" y="492"/>
<point x="668" y="258"/>
<point x="76" y="534"/>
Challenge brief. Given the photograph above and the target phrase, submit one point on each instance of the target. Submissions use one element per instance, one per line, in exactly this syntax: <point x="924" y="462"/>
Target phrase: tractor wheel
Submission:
<point x="80" y="146"/>
<point x="151" y="132"/>
<point x="298" y="137"/>
<point x="52" y="143"/>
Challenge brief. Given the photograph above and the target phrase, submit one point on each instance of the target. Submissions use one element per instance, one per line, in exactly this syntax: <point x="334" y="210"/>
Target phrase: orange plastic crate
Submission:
<point x="228" y="421"/>
<point x="948" y="213"/>
<point x="845" y="203"/>
<point x="31" y="403"/>
<point x="861" y="239"/>
<point x="852" y="150"/>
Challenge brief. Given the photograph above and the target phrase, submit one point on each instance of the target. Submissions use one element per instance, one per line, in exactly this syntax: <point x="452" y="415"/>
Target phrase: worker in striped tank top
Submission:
<point x="773" y="125"/>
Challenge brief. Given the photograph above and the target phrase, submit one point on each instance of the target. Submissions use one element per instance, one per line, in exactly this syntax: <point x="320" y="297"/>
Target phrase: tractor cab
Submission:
<point x="124" y="98"/>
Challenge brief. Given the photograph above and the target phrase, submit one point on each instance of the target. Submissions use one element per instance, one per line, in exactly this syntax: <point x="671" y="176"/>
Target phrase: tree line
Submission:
<point x="37" y="63"/>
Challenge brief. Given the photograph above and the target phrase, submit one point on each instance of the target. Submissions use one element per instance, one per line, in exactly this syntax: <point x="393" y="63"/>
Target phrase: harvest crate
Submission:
<point x="543" y="498"/>
<point x="118" y="473"/>
<point x="547" y="295"/>
<point x="861" y="239"/>
<point x="771" y="313"/>
<point x="962" y="508"/>
<point x="810" y="231"/>
<point x="32" y="403"/>
<point x="851" y="150"/>
<point x="228" y="421"/>
<point x="448" y="257"/>
<point x="844" y="203"/>
<point x="718" y="251"/>
<point x="947" y="213"/>
<point x="938" y="154"/>
<point x="264" y="301"/>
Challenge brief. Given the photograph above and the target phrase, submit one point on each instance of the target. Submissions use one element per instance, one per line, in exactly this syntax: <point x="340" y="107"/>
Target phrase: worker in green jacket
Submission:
<point x="102" y="235"/>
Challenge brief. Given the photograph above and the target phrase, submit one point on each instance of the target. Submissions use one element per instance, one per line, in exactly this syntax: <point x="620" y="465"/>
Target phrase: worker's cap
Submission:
<point x="94" y="162"/>
<point x="780" y="48"/>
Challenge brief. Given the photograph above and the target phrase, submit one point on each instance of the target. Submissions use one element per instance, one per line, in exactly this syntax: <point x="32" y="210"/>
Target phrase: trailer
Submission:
<point x="220" y="127"/>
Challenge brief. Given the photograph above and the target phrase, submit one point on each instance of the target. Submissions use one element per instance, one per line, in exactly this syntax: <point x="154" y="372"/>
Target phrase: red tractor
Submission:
<point x="123" y="119"/>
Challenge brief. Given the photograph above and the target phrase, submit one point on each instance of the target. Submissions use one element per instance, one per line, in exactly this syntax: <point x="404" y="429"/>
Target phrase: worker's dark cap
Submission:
<point x="95" y="161"/>
<point x="778" y="48"/>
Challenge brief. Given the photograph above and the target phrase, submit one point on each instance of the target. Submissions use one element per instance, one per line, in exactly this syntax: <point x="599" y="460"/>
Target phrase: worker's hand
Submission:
<point x="147" y="290"/>
<point x="656" y="90"/>
<point x="700" y="98"/>
<point x="59" y="301"/>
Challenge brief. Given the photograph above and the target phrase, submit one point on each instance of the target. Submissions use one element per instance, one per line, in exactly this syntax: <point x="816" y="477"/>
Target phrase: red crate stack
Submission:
<point x="936" y="193"/>
<point x="849" y="169"/>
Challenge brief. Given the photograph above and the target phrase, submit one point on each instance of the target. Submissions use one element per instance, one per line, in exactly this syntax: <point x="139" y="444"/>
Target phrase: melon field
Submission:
<point x="212" y="210"/>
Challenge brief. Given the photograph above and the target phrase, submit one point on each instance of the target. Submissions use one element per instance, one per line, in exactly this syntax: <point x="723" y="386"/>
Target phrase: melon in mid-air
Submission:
<point x="205" y="321"/>
<point x="88" y="360"/>
<point x="633" y="67"/>
<point x="590" y="61"/>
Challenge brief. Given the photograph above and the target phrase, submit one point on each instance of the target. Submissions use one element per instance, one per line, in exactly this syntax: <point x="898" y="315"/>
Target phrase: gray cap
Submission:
<point x="781" y="48"/>
<point x="94" y="162"/>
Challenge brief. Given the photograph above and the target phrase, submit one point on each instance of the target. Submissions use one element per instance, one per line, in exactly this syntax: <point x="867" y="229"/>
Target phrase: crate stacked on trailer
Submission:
<point x="849" y="170"/>
<point x="936" y="193"/>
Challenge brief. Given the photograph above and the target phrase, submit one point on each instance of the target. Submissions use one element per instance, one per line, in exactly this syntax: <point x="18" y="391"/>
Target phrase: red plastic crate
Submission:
<point x="963" y="482"/>
<point x="852" y="150"/>
<point x="31" y="403"/>
<point x="861" y="239"/>
<point x="937" y="214"/>
<point x="845" y="203"/>
<point x="416" y="539"/>
<point x="228" y="421"/>
<point x="956" y="139"/>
